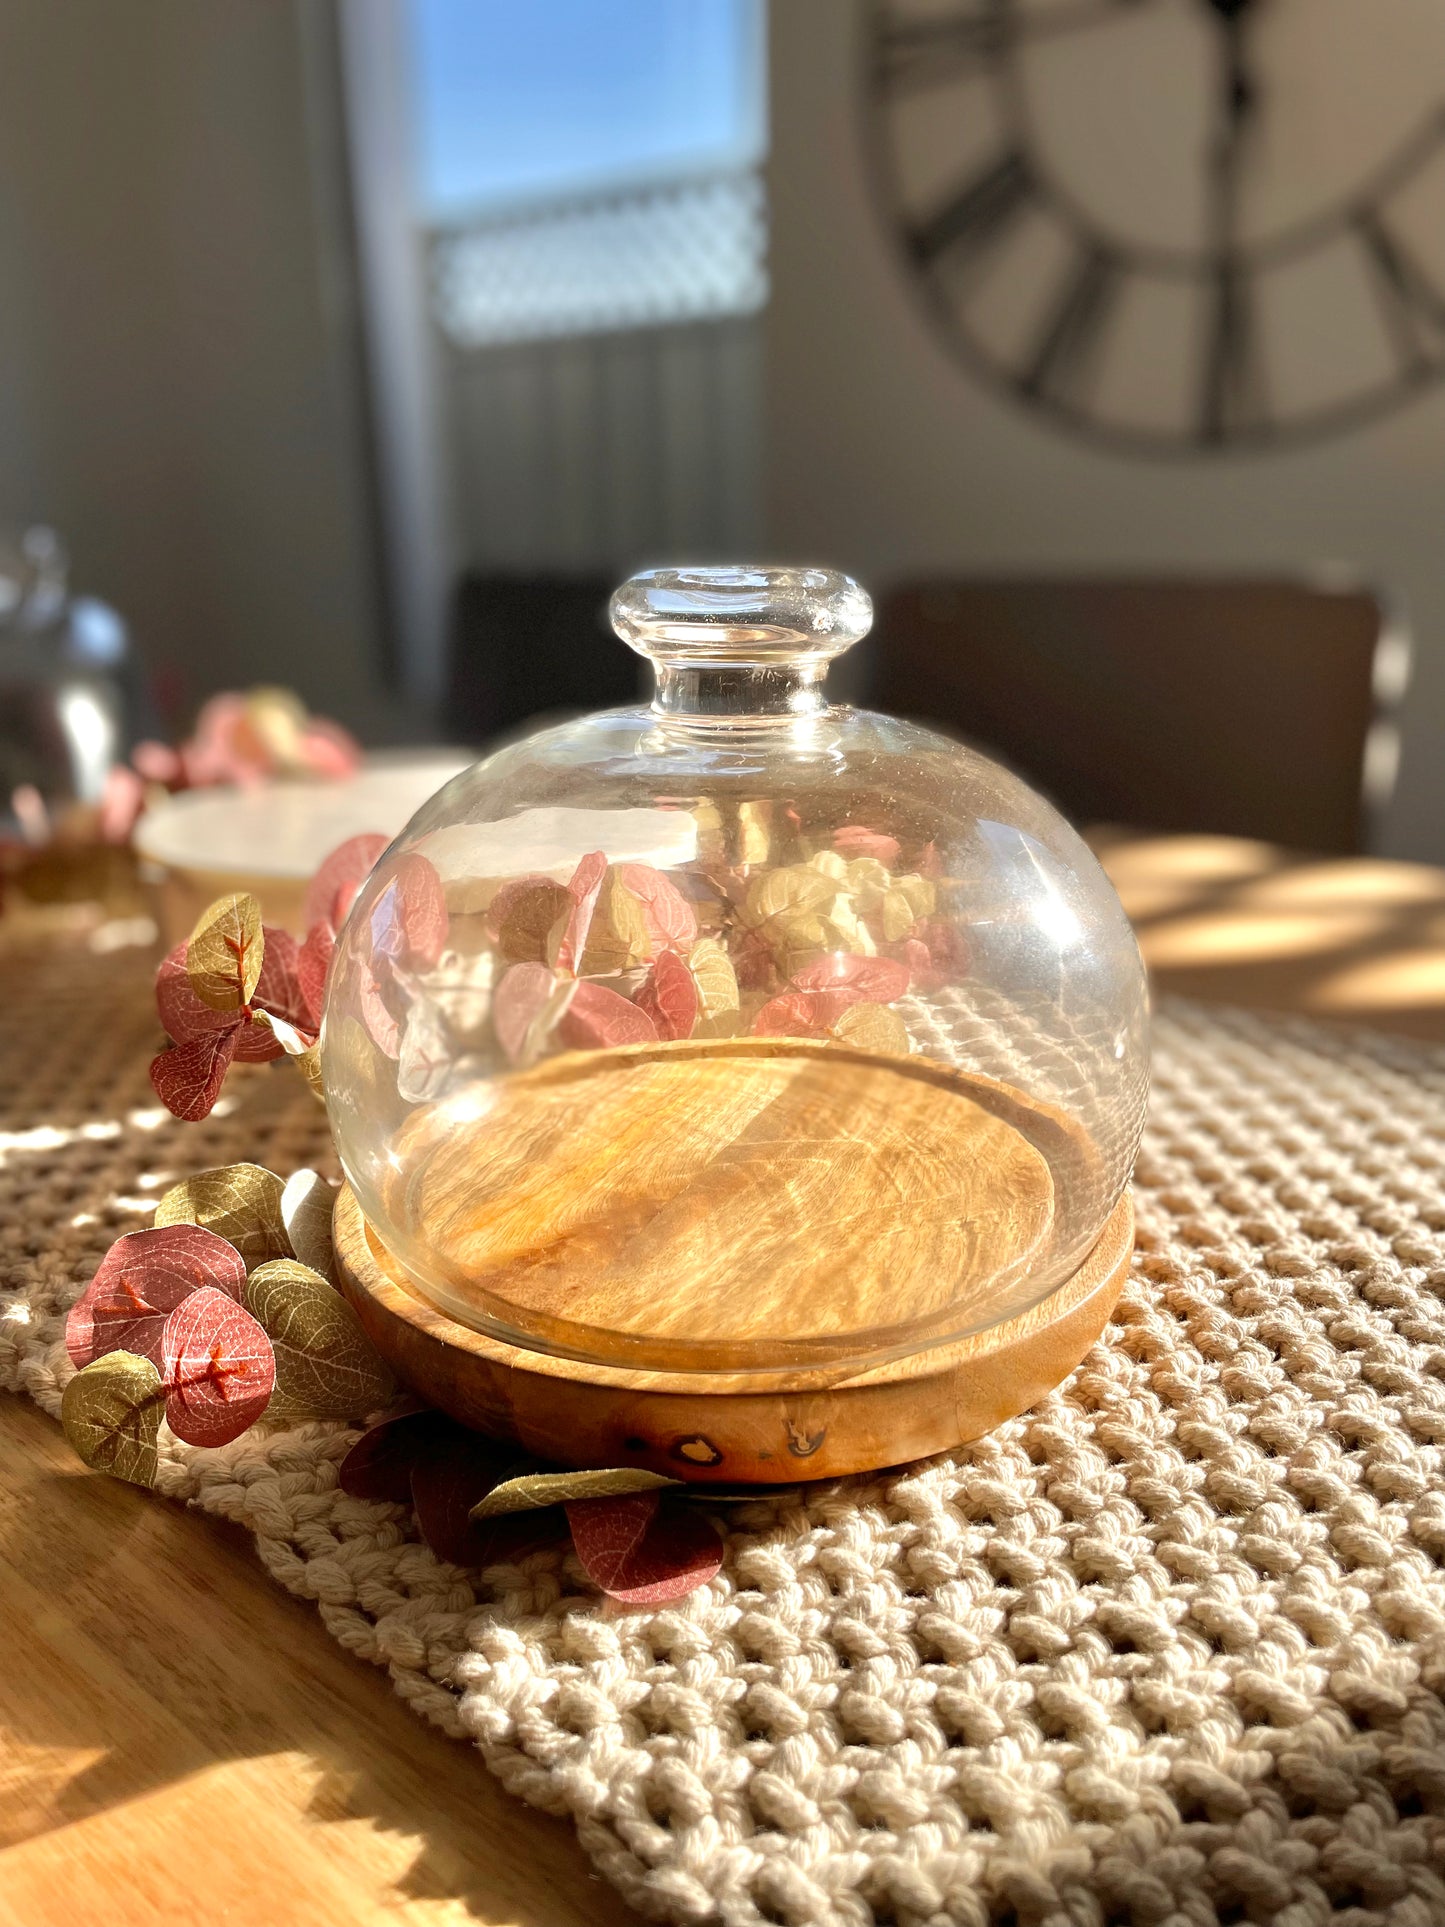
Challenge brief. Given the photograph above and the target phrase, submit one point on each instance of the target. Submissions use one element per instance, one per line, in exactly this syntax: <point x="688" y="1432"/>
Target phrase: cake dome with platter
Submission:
<point x="739" y="1042"/>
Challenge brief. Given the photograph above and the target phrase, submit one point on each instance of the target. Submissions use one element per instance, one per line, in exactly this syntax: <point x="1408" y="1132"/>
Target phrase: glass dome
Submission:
<point x="739" y="1033"/>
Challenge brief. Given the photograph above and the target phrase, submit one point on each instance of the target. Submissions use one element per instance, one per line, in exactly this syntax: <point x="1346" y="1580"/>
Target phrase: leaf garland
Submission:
<point x="224" y="953"/>
<point x="217" y="1366"/>
<point x="642" y="1537"/>
<point x="111" y="1414"/>
<point x="533" y="1491"/>
<point x="238" y="991"/>
<point x="140" y="1281"/>
<point x="641" y="1552"/>
<point x="332" y="891"/>
<point x="326" y="1366"/>
<point x="308" y="1204"/>
<point x="238" y="1202"/>
<point x="202" y="1344"/>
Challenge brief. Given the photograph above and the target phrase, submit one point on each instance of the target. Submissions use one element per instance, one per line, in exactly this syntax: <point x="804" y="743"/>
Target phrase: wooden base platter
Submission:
<point x="728" y="1428"/>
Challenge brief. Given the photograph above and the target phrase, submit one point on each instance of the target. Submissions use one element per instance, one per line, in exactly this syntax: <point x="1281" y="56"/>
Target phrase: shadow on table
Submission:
<point x="1219" y="918"/>
<point x="157" y="1654"/>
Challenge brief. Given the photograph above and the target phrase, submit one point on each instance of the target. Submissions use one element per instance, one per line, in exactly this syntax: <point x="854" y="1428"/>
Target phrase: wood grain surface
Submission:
<point x="700" y="1205"/>
<point x="181" y="1740"/>
<point x="728" y="1427"/>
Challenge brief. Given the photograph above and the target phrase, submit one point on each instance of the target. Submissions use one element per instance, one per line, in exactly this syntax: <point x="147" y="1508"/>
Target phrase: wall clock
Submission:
<point x="1180" y="226"/>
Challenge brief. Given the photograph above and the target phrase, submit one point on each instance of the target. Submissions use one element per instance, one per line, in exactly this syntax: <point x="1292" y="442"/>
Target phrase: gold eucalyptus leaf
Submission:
<point x="225" y="952"/>
<point x="787" y="893"/>
<point x="307" y="1202"/>
<point x="876" y="1027"/>
<point x="239" y="1202"/>
<point x="626" y="921"/>
<point x="899" y="916"/>
<point x="309" y="1065"/>
<point x="717" y="989"/>
<point x="531" y="1491"/>
<point x="111" y="1414"/>
<point x="921" y="894"/>
<point x="755" y="832"/>
<point x="326" y="1366"/>
<point x="829" y="863"/>
<point x="868" y="882"/>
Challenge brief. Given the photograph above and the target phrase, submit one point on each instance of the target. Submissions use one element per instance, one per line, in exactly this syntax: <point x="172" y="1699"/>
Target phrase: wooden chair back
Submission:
<point x="1255" y="708"/>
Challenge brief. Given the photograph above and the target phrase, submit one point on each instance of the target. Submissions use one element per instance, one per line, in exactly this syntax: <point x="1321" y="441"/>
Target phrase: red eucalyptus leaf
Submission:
<point x="803" y="1013"/>
<point x="344" y="870"/>
<point x="313" y="960"/>
<point x="188" y="1078"/>
<point x="948" y="947"/>
<point x="877" y="980"/>
<point x="278" y="989"/>
<point x="598" y="1017"/>
<point x="447" y="1480"/>
<point x="853" y="840"/>
<point x="182" y="1013"/>
<point x="520" y="999"/>
<point x="584" y="889"/>
<point x="670" y="997"/>
<point x="140" y="1281"/>
<point x="916" y="958"/>
<point x="409" y="918"/>
<point x="218" y="1368"/>
<point x="379" y="1465"/>
<point x="382" y="1028"/>
<point x="670" y="919"/>
<point x="641" y="1550"/>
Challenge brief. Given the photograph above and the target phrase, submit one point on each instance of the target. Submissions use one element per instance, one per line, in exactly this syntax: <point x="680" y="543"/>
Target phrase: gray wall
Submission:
<point x="178" y="378"/>
<point x="882" y="456"/>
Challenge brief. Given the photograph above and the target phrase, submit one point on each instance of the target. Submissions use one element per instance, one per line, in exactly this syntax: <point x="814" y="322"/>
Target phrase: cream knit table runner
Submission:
<point x="1168" y="1649"/>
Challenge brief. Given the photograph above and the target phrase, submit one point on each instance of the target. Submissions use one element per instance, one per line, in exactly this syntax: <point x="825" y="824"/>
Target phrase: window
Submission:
<point x="589" y="165"/>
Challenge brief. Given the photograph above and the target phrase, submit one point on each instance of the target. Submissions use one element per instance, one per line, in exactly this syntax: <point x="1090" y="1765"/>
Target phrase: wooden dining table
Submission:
<point x="179" y="1737"/>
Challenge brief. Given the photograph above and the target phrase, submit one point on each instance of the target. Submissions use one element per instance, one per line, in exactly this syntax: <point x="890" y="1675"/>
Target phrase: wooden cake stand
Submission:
<point x="750" y="1204"/>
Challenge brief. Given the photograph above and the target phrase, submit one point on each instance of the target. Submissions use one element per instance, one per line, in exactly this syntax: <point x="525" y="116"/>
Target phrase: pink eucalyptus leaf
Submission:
<point x="140" y="1281"/>
<point x="409" y="918"/>
<point x="313" y="961"/>
<point x="278" y="988"/>
<point x="876" y="980"/>
<point x="670" y="997"/>
<point x="326" y="749"/>
<point x="803" y="1013"/>
<point x="158" y="763"/>
<point x="188" y="1078"/>
<point x="521" y="996"/>
<point x="345" y="869"/>
<point x="642" y="1550"/>
<point x="670" y="919"/>
<point x="379" y="1465"/>
<point x="598" y="1018"/>
<point x="183" y="1016"/>
<point x="218" y="1369"/>
<point x="447" y="1479"/>
<point x="382" y="1027"/>
<point x="853" y="840"/>
<point x="584" y="889"/>
<point x="121" y="802"/>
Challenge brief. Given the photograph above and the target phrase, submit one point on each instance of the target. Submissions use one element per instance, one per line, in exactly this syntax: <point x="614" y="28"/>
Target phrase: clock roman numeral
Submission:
<point x="979" y="214"/>
<point x="1064" y="353"/>
<point x="1232" y="396"/>
<point x="1412" y="305"/>
<point x="928" y="53"/>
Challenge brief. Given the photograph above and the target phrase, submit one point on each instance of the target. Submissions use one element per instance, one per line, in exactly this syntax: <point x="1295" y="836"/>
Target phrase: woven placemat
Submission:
<point x="1169" y="1649"/>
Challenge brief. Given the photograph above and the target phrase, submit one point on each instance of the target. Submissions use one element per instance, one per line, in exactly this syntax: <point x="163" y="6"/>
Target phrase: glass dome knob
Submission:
<point x="741" y="642"/>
